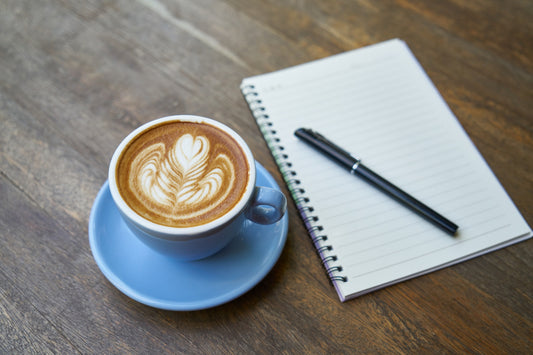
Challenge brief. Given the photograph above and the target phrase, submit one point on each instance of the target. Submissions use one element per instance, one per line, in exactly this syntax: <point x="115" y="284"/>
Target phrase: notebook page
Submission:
<point x="378" y="103"/>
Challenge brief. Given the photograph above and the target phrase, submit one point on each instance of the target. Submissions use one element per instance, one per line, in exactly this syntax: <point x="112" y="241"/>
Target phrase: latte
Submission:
<point x="182" y="174"/>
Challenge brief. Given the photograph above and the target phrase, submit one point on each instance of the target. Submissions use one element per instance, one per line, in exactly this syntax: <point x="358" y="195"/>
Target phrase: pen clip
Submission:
<point x="326" y="146"/>
<point x="337" y="148"/>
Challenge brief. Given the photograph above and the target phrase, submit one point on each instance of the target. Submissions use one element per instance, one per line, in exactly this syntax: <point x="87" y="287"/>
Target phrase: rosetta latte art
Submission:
<point x="185" y="182"/>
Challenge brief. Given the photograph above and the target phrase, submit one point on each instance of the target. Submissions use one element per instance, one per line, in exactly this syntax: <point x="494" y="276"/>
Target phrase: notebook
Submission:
<point x="378" y="103"/>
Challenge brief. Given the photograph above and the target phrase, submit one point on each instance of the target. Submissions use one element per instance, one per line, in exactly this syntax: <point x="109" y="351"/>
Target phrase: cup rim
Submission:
<point x="176" y="232"/>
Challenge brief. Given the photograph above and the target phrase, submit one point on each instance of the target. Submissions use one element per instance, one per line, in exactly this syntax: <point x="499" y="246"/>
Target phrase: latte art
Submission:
<point x="182" y="174"/>
<point x="181" y="179"/>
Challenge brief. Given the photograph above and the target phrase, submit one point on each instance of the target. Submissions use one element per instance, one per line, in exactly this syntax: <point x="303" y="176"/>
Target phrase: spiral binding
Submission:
<point x="316" y="231"/>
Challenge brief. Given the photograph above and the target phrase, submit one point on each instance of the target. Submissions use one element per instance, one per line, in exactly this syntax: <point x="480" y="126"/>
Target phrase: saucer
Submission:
<point x="163" y="282"/>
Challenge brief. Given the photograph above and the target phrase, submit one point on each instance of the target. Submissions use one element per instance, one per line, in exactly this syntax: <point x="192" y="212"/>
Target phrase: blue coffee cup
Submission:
<point x="257" y="204"/>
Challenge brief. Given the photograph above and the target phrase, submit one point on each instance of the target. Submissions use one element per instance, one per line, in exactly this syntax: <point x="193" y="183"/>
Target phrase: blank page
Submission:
<point x="377" y="103"/>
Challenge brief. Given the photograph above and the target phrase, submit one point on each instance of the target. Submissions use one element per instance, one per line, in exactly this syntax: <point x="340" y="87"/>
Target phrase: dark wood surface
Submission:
<point x="77" y="76"/>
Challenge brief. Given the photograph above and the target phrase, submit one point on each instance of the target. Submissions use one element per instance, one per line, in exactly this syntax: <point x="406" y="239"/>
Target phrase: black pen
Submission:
<point x="354" y="165"/>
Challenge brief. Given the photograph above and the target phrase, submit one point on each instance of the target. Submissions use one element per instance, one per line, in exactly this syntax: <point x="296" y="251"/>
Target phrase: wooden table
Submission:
<point x="77" y="76"/>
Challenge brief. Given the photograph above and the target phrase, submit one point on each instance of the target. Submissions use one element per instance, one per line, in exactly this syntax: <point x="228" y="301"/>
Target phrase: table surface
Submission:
<point x="77" y="76"/>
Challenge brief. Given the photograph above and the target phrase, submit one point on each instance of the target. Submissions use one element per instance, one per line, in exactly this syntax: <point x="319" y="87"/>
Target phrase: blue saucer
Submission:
<point x="165" y="283"/>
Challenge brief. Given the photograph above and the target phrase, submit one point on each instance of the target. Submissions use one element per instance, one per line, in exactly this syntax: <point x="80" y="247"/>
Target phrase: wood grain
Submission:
<point x="76" y="77"/>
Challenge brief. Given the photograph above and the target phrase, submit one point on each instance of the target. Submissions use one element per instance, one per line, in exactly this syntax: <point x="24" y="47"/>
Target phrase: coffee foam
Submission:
<point x="182" y="174"/>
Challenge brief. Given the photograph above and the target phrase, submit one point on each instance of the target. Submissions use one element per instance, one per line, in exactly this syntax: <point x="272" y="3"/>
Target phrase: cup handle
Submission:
<point x="267" y="205"/>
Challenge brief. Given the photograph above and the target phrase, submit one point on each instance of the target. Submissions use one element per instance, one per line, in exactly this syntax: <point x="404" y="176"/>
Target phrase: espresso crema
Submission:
<point x="182" y="174"/>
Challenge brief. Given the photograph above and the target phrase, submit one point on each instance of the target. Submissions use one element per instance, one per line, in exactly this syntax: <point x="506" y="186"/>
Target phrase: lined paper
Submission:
<point x="378" y="103"/>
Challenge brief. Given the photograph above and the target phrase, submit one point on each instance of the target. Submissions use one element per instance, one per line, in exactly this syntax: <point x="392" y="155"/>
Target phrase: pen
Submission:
<point x="354" y="165"/>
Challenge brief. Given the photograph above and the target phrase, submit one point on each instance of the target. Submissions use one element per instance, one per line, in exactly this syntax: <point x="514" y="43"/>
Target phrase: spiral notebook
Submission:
<point x="378" y="103"/>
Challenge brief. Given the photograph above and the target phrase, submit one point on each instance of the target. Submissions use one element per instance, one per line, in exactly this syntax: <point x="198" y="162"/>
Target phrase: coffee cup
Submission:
<point x="186" y="186"/>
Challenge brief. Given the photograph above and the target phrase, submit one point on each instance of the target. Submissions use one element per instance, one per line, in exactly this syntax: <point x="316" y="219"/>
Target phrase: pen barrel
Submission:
<point x="406" y="199"/>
